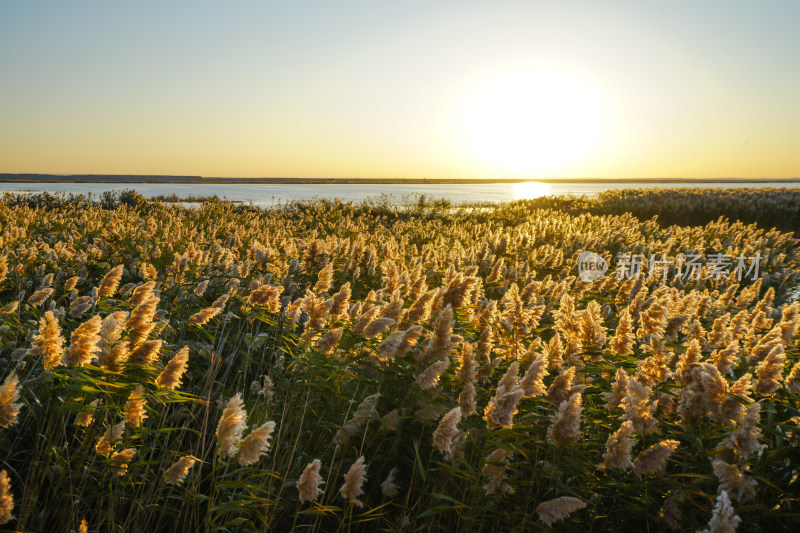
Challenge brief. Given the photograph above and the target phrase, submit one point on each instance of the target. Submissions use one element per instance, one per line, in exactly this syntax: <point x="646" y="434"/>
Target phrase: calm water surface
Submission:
<point x="271" y="194"/>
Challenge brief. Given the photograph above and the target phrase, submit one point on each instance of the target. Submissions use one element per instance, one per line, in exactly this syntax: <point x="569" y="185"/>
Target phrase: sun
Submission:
<point x="533" y="121"/>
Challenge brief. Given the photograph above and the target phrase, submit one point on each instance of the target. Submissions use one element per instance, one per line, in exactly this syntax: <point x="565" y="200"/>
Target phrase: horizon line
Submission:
<point x="181" y="178"/>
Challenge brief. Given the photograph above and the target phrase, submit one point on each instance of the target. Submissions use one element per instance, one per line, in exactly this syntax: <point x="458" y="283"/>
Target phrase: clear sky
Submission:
<point x="448" y="89"/>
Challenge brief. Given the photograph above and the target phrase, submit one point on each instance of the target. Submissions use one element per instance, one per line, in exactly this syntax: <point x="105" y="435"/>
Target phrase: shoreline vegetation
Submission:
<point x="122" y="178"/>
<point x="768" y="207"/>
<point x="373" y="366"/>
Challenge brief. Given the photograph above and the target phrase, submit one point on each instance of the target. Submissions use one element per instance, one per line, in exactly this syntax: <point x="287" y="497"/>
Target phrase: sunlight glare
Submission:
<point x="530" y="189"/>
<point x="534" y="121"/>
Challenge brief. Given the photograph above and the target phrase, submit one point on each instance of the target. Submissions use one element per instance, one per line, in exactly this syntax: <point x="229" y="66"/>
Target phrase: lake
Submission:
<point x="272" y="194"/>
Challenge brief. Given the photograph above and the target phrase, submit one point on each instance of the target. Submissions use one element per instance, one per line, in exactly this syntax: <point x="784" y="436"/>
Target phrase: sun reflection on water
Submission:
<point x="530" y="189"/>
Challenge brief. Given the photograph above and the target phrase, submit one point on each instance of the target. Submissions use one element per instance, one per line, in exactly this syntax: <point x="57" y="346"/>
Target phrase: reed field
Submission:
<point x="327" y="366"/>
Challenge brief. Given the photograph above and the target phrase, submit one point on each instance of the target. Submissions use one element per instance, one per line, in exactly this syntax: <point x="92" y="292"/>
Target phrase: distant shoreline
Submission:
<point x="114" y="178"/>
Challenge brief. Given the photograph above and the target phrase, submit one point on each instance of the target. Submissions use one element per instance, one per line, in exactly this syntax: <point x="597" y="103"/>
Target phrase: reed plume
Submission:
<point x="636" y="409"/>
<point x="670" y="512"/>
<point x="341" y="300"/>
<point x="591" y="331"/>
<point x="399" y="342"/>
<point x="561" y="387"/>
<point x="37" y="298"/>
<point x="324" y="280"/>
<point x="420" y="310"/>
<point x="110" y="335"/>
<point x="310" y="482"/>
<point x="86" y="417"/>
<point x="120" y="461"/>
<point x="389" y="487"/>
<point x="428" y="378"/>
<point x="691" y="407"/>
<point x="6" y="498"/>
<point x="265" y="388"/>
<point x="654" y="369"/>
<point x="202" y="317"/>
<point x="494" y="470"/>
<point x="714" y="388"/>
<point x="790" y="322"/>
<point x="330" y="340"/>
<point x="688" y="359"/>
<point x="353" y="482"/>
<point x="619" y="389"/>
<point x="178" y="471"/>
<point x="502" y="407"/>
<point x="484" y="347"/>
<point x="731" y="410"/>
<point x="106" y="443"/>
<point x="554" y="352"/>
<point x="654" y="320"/>
<point x="201" y="287"/>
<point x="558" y="509"/>
<point x="145" y="353"/>
<point x="9" y="406"/>
<point x="368" y="313"/>
<point x="110" y="282"/>
<point x="391" y="420"/>
<point x="118" y="356"/>
<point x="231" y="426"/>
<point x="359" y="419"/>
<point x="727" y="358"/>
<point x="134" y="409"/>
<point x="719" y="330"/>
<point x="394" y="309"/>
<point x="762" y="348"/>
<point x="675" y="325"/>
<point x="466" y="400"/>
<point x="792" y="382"/>
<point x="317" y="310"/>
<point x="442" y="345"/>
<point x="220" y="302"/>
<point x="533" y="382"/>
<point x="377" y="326"/>
<point x="49" y="343"/>
<point x="769" y="371"/>
<point x="172" y="375"/>
<point x="410" y="336"/>
<point x="141" y="294"/>
<point x="254" y="445"/>
<point x="467" y="370"/>
<point x="744" y="439"/>
<point x="723" y="520"/>
<point x="83" y="342"/>
<point x="447" y="430"/>
<point x="740" y="487"/>
<point x="140" y="323"/>
<point x="618" y="448"/>
<point x="653" y="460"/>
<point x="566" y="426"/>
<point x="509" y="379"/>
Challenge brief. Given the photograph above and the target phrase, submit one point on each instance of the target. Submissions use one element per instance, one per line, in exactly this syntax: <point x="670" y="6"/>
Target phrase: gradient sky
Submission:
<point x="448" y="89"/>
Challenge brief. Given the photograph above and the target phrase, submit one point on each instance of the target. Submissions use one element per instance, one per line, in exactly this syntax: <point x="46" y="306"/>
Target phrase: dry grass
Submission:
<point x="328" y="366"/>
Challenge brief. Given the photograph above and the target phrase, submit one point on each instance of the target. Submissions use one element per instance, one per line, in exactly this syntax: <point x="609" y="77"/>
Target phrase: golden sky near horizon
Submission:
<point x="402" y="90"/>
